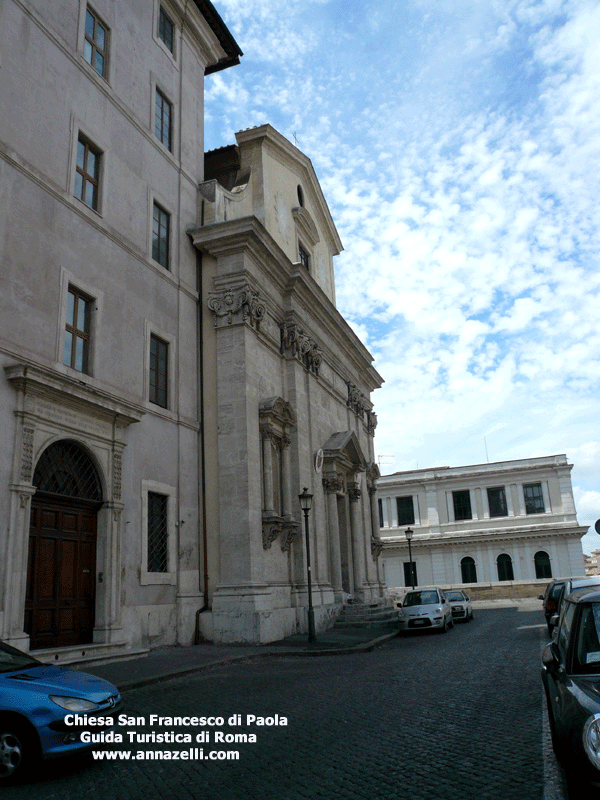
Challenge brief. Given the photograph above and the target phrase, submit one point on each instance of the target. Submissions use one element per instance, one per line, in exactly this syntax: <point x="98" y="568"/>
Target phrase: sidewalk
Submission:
<point x="169" y="662"/>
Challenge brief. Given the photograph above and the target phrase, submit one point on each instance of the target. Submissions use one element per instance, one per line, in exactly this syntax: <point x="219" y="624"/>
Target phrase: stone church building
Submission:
<point x="173" y="369"/>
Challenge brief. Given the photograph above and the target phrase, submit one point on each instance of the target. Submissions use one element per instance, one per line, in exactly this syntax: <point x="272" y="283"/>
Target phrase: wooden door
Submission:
<point x="59" y="604"/>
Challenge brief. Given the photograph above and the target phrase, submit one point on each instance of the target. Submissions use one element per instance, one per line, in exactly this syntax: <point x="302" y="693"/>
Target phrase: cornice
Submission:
<point x="497" y="535"/>
<point x="47" y="384"/>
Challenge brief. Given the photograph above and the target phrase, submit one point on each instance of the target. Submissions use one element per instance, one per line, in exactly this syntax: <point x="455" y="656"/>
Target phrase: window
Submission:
<point x="158" y="532"/>
<point x="468" y="570"/>
<point x="95" y="45"/>
<point x="165" y="29"/>
<point x="77" y="330"/>
<point x="162" y="119"/>
<point x="303" y="257"/>
<point x="497" y="502"/>
<point x="87" y="173"/>
<point x="505" y="568"/>
<point x="159" y="364"/>
<point x="406" y="510"/>
<point x="534" y="498"/>
<point x="462" y="504"/>
<point x="542" y="564"/>
<point x="380" y="509"/>
<point x="161" y="223"/>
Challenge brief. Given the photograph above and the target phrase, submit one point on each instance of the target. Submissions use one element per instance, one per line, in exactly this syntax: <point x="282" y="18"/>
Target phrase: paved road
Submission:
<point x="427" y="717"/>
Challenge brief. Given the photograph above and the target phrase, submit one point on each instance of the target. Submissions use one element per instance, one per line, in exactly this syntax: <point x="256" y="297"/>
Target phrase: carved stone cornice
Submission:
<point x="237" y="306"/>
<point x="289" y="534"/>
<point x="373" y="474"/>
<point x="357" y="401"/>
<point x="333" y="483"/>
<point x="371" y="422"/>
<point x="354" y="494"/>
<point x="295" y="343"/>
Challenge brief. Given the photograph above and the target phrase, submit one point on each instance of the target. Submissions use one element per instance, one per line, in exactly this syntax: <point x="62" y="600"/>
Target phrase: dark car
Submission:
<point x="571" y="584"/>
<point x="571" y="678"/>
<point x="550" y="600"/>
<point x="38" y="706"/>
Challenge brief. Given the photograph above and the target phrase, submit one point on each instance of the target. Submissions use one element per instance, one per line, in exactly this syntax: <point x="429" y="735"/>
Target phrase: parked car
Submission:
<point x="550" y="600"/>
<point x="570" y="585"/>
<point x="571" y="679"/>
<point x="462" y="610"/>
<point x="425" y="608"/>
<point x="34" y="701"/>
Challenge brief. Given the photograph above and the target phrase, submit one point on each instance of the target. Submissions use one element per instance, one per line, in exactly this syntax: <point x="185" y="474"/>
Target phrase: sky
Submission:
<point x="457" y="144"/>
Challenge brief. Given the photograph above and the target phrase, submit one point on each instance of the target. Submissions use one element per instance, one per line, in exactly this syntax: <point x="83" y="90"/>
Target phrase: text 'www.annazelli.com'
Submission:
<point x="193" y="754"/>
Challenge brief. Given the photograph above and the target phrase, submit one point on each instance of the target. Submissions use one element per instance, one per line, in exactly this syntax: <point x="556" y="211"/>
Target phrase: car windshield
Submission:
<point x="587" y="645"/>
<point x="421" y="598"/>
<point x="12" y="659"/>
<point x="456" y="596"/>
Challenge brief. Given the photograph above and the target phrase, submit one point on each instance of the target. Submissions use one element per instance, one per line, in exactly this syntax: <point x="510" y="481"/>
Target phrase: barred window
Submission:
<point x="303" y="257"/>
<point x="461" y="501"/>
<point x="497" y="501"/>
<point x="534" y="498"/>
<point x="158" y="532"/>
<point x="159" y="371"/>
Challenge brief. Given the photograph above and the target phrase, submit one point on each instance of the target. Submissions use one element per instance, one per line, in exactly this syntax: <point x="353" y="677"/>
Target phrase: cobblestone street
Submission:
<point x="426" y="717"/>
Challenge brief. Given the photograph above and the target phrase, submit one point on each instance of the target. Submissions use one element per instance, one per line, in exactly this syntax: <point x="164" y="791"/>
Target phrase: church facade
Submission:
<point x="172" y="365"/>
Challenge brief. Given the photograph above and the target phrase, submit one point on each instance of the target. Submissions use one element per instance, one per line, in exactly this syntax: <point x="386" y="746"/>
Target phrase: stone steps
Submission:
<point x="367" y="615"/>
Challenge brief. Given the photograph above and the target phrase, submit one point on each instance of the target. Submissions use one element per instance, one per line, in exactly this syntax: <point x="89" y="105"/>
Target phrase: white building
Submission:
<point x="485" y="523"/>
<point x="171" y="358"/>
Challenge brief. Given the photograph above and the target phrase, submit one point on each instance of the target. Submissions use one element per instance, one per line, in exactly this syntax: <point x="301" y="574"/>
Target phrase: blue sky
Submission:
<point x="457" y="143"/>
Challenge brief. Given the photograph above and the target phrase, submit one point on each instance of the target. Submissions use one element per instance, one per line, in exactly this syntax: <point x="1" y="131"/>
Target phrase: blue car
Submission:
<point x="44" y="709"/>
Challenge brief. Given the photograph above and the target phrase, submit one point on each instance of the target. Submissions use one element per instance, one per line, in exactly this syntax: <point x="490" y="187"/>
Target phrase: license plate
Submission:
<point x="419" y="622"/>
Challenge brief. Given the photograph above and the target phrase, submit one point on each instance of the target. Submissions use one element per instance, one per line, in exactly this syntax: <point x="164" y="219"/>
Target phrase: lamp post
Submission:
<point x="305" y="504"/>
<point x="409" y="534"/>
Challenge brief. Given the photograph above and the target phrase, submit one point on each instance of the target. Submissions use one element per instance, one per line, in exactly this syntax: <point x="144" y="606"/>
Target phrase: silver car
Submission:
<point x="425" y="608"/>
<point x="462" y="610"/>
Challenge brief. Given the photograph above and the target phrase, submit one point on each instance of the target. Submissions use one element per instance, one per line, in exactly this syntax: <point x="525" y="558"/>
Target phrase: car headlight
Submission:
<point x="73" y="703"/>
<point x="591" y="739"/>
<point x="438" y="611"/>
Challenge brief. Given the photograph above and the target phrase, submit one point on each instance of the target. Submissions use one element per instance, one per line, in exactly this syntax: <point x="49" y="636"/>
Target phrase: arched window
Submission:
<point x="66" y="470"/>
<point x="468" y="570"/>
<point x="542" y="564"/>
<point x="505" y="568"/>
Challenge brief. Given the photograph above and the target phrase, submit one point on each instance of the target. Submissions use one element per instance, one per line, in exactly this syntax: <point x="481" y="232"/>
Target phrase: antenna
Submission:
<point x="486" y="450"/>
<point x="382" y="456"/>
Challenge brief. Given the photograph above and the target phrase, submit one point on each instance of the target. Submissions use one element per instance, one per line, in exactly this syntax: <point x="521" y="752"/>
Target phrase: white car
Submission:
<point x="425" y="608"/>
<point x="462" y="609"/>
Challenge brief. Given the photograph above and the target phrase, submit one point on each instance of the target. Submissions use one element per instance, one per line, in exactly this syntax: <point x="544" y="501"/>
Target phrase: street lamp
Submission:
<point x="305" y="504"/>
<point x="409" y="534"/>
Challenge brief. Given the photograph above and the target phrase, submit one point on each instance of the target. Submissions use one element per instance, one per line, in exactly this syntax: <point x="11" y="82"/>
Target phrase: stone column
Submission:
<point x="286" y="511"/>
<point x="358" y="549"/>
<point x="332" y="485"/>
<point x="16" y="553"/>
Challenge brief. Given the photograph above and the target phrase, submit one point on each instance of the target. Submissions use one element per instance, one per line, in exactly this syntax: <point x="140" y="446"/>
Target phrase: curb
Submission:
<point x="362" y="647"/>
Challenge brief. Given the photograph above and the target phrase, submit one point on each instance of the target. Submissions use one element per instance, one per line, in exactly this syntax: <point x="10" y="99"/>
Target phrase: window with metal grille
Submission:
<point x="159" y="367"/>
<point x="410" y="574"/>
<point x="161" y="229"/>
<point x="497" y="501"/>
<point x="534" y="498"/>
<point x="65" y="469"/>
<point x="461" y="501"/>
<point x="77" y="330"/>
<point x="87" y="173"/>
<point x="165" y="29"/>
<point x="468" y="570"/>
<point x="303" y="257"/>
<point x="406" y="510"/>
<point x="158" y="532"/>
<point x="505" y="568"/>
<point x="95" y="45"/>
<point x="380" y="509"/>
<point x="163" y="119"/>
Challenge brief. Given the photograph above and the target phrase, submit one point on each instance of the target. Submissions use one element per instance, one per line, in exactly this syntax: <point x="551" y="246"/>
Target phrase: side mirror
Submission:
<point x="554" y="620"/>
<point x="399" y="604"/>
<point x="550" y="657"/>
<point x="540" y="596"/>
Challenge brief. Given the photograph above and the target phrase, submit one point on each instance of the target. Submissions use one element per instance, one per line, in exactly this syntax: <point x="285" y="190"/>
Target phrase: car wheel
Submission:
<point x="452" y="622"/>
<point x="16" y="750"/>
<point x="444" y="628"/>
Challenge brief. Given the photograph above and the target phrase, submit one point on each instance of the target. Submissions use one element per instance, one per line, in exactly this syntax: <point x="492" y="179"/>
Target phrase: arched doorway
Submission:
<point x="542" y="564"/>
<point x="61" y="569"/>
<point x="505" y="567"/>
<point x="468" y="570"/>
